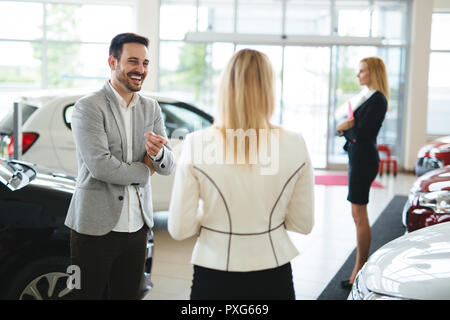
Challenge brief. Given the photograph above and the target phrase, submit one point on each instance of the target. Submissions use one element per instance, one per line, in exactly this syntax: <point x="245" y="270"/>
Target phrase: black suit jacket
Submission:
<point x="362" y="138"/>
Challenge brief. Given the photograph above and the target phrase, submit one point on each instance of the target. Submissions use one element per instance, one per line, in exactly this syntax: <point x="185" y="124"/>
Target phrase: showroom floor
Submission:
<point x="322" y="252"/>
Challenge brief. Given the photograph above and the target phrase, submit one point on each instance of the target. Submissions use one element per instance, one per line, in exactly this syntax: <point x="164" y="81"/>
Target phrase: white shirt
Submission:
<point x="131" y="216"/>
<point x="364" y="98"/>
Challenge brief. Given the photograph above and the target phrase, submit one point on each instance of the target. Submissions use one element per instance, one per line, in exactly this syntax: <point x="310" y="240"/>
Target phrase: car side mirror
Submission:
<point x="15" y="175"/>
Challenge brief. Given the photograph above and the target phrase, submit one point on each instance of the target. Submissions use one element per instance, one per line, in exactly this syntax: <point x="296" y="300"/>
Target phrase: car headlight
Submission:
<point x="408" y="204"/>
<point x="438" y="201"/>
<point x="432" y="163"/>
<point x="361" y="292"/>
<point x="359" y="289"/>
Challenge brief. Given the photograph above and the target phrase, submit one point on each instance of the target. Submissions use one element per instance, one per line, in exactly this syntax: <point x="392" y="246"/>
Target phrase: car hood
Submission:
<point x="55" y="182"/>
<point x="50" y="179"/>
<point x="414" y="266"/>
<point x="435" y="180"/>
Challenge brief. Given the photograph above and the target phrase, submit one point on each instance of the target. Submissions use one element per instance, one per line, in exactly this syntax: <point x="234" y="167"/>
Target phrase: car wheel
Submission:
<point x="44" y="279"/>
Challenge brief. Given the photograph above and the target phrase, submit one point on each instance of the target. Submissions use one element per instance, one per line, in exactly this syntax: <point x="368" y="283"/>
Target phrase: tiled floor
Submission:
<point x="322" y="252"/>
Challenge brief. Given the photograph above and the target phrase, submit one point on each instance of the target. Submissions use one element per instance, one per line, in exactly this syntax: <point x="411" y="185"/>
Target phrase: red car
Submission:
<point x="429" y="200"/>
<point x="433" y="155"/>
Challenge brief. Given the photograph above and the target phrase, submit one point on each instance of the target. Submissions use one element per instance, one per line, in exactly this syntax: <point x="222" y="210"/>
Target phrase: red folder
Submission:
<point x="350" y="110"/>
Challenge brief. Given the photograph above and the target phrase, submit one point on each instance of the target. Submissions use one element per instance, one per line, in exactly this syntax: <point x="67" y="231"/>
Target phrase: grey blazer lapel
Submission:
<point x="114" y="107"/>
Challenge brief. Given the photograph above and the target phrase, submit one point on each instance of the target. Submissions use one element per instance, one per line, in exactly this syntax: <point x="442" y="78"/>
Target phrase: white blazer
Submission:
<point x="239" y="212"/>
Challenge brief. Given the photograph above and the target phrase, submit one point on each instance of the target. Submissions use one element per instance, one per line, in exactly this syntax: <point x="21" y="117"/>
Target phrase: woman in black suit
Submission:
<point x="361" y="132"/>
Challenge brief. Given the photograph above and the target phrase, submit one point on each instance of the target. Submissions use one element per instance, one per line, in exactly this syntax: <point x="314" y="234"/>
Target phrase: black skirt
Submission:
<point x="362" y="171"/>
<point x="270" y="284"/>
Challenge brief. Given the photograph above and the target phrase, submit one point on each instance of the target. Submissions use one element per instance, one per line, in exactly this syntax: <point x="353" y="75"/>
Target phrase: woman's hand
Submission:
<point x="345" y="125"/>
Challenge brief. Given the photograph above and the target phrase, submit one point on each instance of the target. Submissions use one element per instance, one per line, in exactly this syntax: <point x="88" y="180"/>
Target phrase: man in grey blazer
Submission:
<point x="121" y="140"/>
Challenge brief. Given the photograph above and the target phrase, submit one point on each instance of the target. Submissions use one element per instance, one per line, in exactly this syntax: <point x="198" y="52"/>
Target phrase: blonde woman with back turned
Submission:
<point x="361" y="133"/>
<point x="238" y="201"/>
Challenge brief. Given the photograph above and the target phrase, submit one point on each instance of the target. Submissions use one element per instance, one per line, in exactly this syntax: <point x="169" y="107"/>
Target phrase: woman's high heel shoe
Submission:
<point x="346" y="284"/>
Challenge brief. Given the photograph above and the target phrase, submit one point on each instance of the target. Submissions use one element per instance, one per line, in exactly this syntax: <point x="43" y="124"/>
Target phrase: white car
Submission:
<point x="47" y="137"/>
<point x="414" y="266"/>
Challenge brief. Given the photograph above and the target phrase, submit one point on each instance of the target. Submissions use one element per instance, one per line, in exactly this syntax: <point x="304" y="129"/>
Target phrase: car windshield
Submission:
<point x="7" y="123"/>
<point x="179" y="118"/>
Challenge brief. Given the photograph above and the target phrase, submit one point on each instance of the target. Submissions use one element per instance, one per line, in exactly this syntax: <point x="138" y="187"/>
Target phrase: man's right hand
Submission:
<point x="154" y="143"/>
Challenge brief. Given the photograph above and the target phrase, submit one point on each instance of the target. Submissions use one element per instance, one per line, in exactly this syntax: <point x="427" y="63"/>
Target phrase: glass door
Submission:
<point x="305" y="97"/>
<point x="302" y="82"/>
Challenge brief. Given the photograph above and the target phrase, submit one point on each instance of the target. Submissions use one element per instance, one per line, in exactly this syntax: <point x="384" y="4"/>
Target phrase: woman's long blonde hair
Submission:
<point x="246" y="97"/>
<point x="378" y="75"/>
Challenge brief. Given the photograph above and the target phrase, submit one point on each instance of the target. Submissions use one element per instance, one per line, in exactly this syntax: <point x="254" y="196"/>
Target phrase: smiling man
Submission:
<point x="121" y="140"/>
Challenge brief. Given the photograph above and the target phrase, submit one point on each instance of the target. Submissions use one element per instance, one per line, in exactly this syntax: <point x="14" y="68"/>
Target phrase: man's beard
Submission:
<point x="127" y="82"/>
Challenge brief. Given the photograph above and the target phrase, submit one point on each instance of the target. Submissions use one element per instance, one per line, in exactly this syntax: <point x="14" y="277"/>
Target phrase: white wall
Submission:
<point x="415" y="124"/>
<point x="442" y="5"/>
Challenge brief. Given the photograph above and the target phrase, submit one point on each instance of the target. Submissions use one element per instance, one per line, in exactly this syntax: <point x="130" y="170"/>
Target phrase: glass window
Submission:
<point x="81" y="22"/>
<point x="75" y="50"/>
<point x="93" y="64"/>
<point x="305" y="97"/>
<point x="182" y="66"/>
<point x="353" y="18"/>
<point x="389" y="20"/>
<point x="191" y="71"/>
<point x="76" y="65"/>
<point x="62" y="21"/>
<point x="62" y="64"/>
<point x="259" y="16"/>
<point x="20" y="64"/>
<point x="439" y="32"/>
<point x="114" y="19"/>
<point x="438" y="77"/>
<point x="438" y="119"/>
<point x="308" y="17"/>
<point x="176" y="18"/>
<point x="216" y="15"/>
<point x="21" y="20"/>
<point x="395" y="59"/>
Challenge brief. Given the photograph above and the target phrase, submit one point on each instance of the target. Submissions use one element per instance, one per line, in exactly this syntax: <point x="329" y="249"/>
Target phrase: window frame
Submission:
<point x="433" y="136"/>
<point x="45" y="42"/>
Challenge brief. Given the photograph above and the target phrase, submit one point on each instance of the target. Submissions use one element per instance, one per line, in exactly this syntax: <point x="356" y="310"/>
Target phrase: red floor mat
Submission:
<point x="338" y="180"/>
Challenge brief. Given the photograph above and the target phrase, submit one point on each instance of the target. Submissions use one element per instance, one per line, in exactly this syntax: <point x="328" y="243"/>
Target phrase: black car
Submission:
<point x="34" y="242"/>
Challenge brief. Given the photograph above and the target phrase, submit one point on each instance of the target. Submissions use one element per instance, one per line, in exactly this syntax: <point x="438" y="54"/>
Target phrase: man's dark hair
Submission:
<point x="116" y="46"/>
